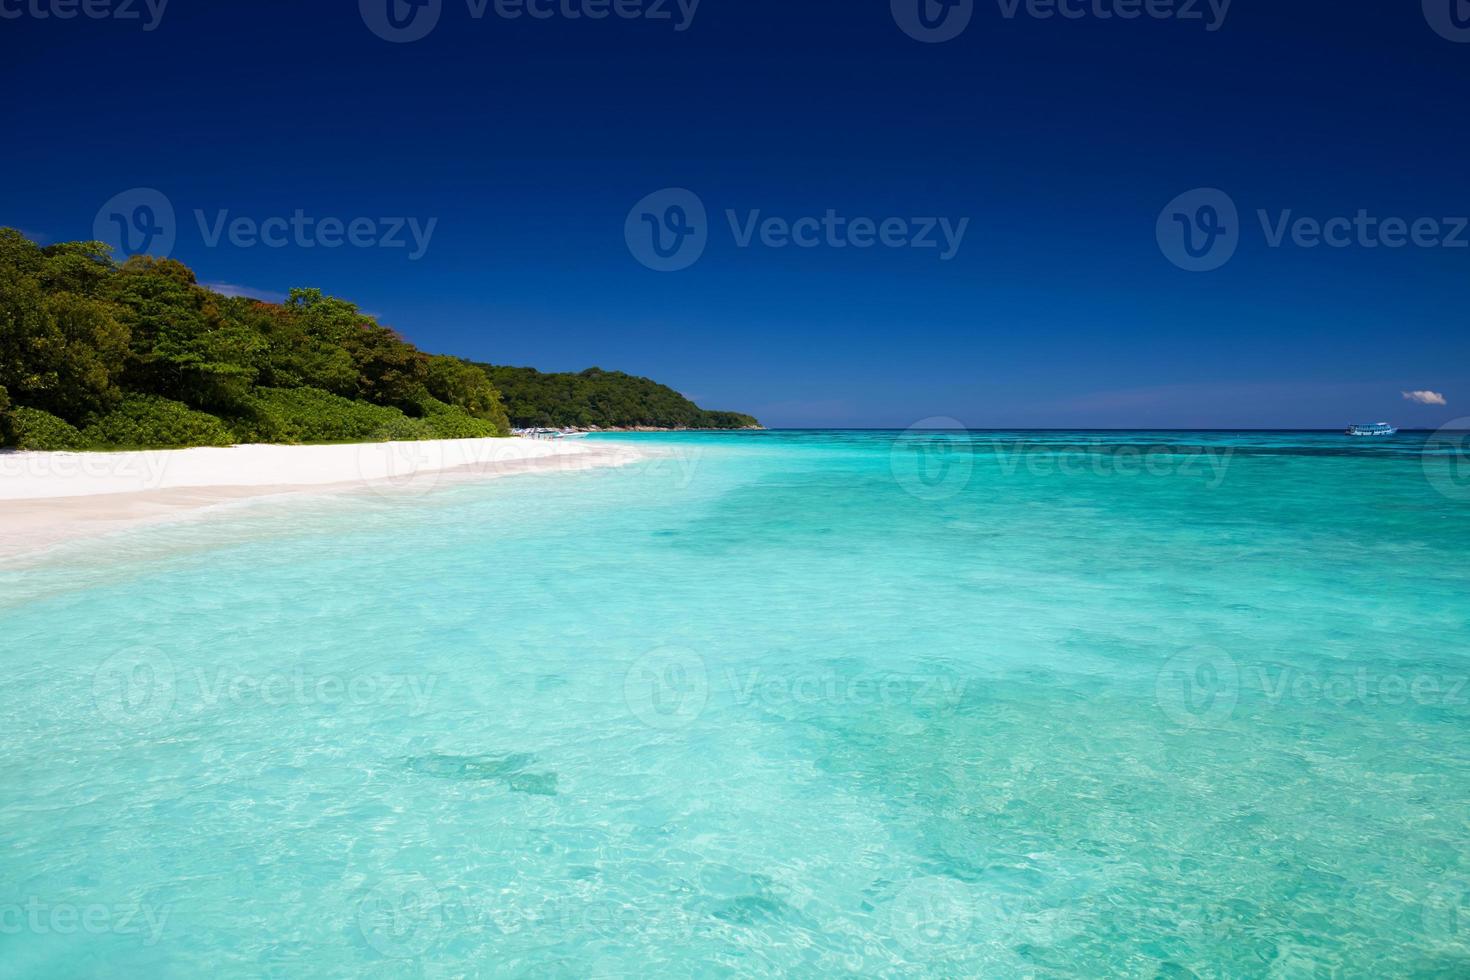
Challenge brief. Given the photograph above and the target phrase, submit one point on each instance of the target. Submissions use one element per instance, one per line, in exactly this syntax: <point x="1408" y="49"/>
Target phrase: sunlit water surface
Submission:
<point x="1157" y="704"/>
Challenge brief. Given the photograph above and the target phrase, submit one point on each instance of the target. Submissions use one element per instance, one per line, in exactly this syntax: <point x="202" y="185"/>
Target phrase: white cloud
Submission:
<point x="1425" y="397"/>
<point x="230" y="289"/>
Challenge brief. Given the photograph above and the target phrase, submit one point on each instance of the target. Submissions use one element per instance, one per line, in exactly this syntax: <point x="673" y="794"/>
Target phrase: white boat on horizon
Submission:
<point x="1375" y="429"/>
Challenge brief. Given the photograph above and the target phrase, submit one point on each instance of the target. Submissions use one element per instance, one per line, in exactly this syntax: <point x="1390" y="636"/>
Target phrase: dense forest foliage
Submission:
<point x="606" y="399"/>
<point x="100" y="355"/>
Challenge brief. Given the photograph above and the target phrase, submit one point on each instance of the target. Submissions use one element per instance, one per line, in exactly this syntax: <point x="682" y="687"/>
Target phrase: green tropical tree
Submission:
<point x="99" y="355"/>
<point x="61" y="348"/>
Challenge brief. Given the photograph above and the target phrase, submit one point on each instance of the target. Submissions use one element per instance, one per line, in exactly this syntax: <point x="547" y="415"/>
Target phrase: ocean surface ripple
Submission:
<point x="766" y="704"/>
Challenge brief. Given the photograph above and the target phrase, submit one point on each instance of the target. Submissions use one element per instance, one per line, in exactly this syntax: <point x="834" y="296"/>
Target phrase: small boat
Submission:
<point x="538" y="433"/>
<point x="1376" y="429"/>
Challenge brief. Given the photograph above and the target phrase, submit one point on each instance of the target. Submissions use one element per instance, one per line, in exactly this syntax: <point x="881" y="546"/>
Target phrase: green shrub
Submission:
<point x="31" y="428"/>
<point x="149" y="422"/>
<point x="403" y="429"/>
<point x="462" y="385"/>
<point x="295" y="415"/>
<point x="261" y="423"/>
<point x="453" y="422"/>
<point x="80" y="333"/>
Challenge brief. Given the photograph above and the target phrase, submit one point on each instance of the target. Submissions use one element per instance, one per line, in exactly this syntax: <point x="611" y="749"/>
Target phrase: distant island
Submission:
<point x="97" y="355"/>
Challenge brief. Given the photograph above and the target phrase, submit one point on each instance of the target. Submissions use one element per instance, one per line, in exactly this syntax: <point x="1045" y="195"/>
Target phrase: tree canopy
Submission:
<point x="606" y="399"/>
<point x="96" y="354"/>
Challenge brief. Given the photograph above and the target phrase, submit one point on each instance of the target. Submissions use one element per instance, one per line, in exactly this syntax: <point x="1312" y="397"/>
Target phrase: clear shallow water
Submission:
<point x="772" y="703"/>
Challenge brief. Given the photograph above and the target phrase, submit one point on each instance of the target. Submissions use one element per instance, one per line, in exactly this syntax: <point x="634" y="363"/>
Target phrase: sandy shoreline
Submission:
<point x="50" y="498"/>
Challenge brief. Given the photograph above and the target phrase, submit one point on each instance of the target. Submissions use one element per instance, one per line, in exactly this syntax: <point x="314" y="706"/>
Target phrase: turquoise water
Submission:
<point x="1154" y="704"/>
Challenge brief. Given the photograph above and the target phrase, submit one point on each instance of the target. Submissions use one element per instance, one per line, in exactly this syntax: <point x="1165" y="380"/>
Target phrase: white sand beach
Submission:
<point x="48" y="498"/>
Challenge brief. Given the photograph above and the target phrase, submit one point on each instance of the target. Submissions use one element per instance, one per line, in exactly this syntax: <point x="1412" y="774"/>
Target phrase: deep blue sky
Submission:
<point x="1061" y="141"/>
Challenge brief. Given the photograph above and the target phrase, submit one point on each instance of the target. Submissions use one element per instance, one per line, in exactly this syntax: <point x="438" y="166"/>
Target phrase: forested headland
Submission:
<point x="601" y="399"/>
<point x="96" y="354"/>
